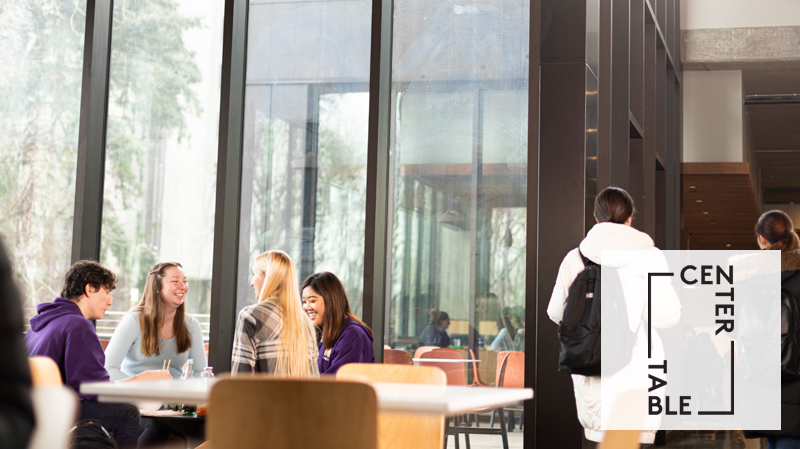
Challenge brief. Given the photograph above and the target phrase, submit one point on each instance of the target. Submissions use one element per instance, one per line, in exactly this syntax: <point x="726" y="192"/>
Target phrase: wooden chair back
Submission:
<point x="260" y="411"/>
<point x="402" y="431"/>
<point x="397" y="357"/>
<point x="455" y="372"/>
<point x="44" y="372"/>
<point x="512" y="369"/>
<point x="423" y="349"/>
<point x="104" y="343"/>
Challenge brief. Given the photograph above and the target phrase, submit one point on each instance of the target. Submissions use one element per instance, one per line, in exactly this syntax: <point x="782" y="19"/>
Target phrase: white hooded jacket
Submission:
<point x="612" y="236"/>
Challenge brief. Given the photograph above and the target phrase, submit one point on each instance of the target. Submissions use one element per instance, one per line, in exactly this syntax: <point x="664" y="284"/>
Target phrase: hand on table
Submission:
<point x="156" y="374"/>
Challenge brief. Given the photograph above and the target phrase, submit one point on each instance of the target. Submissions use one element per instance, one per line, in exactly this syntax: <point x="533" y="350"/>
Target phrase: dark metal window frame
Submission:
<point x="228" y="245"/>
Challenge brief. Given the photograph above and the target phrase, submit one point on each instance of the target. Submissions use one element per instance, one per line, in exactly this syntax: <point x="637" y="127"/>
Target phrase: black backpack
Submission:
<point x="790" y="341"/>
<point x="579" y="330"/>
<point x="90" y="434"/>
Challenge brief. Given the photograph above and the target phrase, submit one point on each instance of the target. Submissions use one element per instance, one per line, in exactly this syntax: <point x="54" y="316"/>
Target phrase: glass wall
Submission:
<point x="459" y="155"/>
<point x="305" y="138"/>
<point x="161" y="155"/>
<point x="41" y="45"/>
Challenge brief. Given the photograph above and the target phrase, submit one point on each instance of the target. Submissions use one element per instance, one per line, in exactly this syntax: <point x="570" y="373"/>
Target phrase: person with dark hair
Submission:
<point x="345" y="338"/>
<point x="775" y="231"/>
<point x="63" y="332"/>
<point x="16" y="418"/>
<point x="438" y="334"/>
<point x="426" y="331"/>
<point x="614" y="212"/>
<point x="507" y="332"/>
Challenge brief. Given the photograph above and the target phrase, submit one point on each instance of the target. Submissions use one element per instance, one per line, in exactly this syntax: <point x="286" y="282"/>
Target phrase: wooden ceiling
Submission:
<point x="719" y="206"/>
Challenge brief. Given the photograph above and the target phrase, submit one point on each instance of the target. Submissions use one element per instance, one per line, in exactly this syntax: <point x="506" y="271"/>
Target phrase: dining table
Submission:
<point x="395" y="398"/>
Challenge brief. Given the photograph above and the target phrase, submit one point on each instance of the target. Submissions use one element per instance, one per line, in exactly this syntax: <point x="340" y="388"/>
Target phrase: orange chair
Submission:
<point x="511" y="375"/>
<point x="397" y="357"/>
<point x="423" y="349"/>
<point x="44" y="372"/>
<point x="455" y="372"/>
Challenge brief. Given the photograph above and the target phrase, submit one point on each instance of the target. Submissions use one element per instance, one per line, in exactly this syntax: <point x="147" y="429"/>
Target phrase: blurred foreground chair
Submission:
<point x="259" y="411"/>
<point x="397" y="357"/>
<point x="401" y="431"/>
<point x="56" y="410"/>
<point x="512" y="376"/>
<point x="44" y="372"/>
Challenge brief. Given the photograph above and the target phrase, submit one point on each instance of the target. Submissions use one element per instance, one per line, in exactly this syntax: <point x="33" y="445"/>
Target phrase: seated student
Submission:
<point x="507" y="333"/>
<point x="63" y="332"/>
<point x="158" y="329"/>
<point x="274" y="335"/>
<point x="426" y="331"/>
<point x="345" y="338"/>
<point x="438" y="334"/>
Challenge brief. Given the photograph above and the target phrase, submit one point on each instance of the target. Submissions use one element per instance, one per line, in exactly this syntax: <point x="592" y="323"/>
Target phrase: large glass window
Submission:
<point x="41" y="46"/>
<point x="459" y="155"/>
<point x="163" y="121"/>
<point x="305" y="138"/>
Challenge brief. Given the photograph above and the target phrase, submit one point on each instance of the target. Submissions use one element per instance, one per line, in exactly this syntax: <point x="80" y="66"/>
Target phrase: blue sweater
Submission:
<point x="61" y="332"/>
<point x="354" y="345"/>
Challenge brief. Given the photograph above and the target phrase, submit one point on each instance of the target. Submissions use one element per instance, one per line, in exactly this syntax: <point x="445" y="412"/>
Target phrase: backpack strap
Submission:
<point x="586" y="261"/>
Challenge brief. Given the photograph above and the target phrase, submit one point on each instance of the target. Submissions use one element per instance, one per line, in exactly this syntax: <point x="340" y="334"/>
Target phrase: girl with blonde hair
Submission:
<point x="274" y="335"/>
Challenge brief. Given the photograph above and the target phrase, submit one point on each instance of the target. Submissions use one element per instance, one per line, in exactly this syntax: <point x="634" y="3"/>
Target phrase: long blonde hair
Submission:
<point x="280" y="288"/>
<point x="152" y="314"/>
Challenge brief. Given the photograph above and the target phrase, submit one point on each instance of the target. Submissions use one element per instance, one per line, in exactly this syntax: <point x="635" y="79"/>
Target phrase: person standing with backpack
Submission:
<point x="775" y="231"/>
<point x="614" y="211"/>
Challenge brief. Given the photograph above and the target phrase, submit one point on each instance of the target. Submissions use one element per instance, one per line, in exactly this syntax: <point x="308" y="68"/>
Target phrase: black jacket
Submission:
<point x="790" y="391"/>
<point x="16" y="410"/>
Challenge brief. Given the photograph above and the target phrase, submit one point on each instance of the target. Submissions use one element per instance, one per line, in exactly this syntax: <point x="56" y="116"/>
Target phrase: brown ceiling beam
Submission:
<point x="715" y="168"/>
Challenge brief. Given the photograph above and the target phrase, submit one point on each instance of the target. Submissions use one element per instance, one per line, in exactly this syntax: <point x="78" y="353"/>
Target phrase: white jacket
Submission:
<point x="666" y="307"/>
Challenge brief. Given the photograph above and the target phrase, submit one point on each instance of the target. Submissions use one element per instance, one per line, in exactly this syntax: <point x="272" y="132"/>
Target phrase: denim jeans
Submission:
<point x="122" y="420"/>
<point x="783" y="443"/>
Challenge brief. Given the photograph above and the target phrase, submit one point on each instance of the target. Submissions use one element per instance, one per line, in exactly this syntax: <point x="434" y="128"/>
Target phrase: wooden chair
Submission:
<point x="104" y="343"/>
<point x="397" y="357"/>
<point x="260" y="411"/>
<point x="455" y="372"/>
<point x="401" y="431"/>
<point x="44" y="372"/>
<point x="423" y="349"/>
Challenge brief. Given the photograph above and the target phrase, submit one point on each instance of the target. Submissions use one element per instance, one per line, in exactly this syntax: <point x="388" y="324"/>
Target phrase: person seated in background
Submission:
<point x="16" y="418"/>
<point x="344" y="338"/>
<point x="63" y="332"/>
<point x="158" y="329"/>
<point x="274" y="335"/>
<point x="155" y="332"/>
<point x="438" y="335"/>
<point x="426" y="331"/>
<point x="507" y="333"/>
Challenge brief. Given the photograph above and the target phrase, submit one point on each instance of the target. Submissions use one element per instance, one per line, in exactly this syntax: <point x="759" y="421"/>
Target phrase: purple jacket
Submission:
<point x="354" y="345"/>
<point x="61" y="332"/>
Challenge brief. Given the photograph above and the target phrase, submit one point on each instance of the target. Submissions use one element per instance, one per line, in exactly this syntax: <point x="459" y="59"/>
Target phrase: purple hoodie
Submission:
<point x="354" y="345"/>
<point x="61" y="332"/>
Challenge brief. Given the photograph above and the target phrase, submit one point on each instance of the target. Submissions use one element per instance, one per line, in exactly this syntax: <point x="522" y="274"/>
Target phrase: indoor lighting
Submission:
<point x="728" y="245"/>
<point x="705" y="213"/>
<point x="699" y="201"/>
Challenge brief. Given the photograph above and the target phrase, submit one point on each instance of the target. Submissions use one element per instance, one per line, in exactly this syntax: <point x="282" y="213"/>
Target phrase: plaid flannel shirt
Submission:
<point x="256" y="343"/>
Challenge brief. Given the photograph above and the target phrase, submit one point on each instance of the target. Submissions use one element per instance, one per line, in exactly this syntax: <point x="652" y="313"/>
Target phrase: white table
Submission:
<point x="392" y="398"/>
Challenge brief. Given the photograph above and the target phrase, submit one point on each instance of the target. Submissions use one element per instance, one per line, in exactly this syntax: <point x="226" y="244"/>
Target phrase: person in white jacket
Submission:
<point x="614" y="212"/>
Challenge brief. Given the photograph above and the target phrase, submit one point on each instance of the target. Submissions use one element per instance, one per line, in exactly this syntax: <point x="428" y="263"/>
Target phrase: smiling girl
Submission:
<point x="345" y="338"/>
<point x="157" y="329"/>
